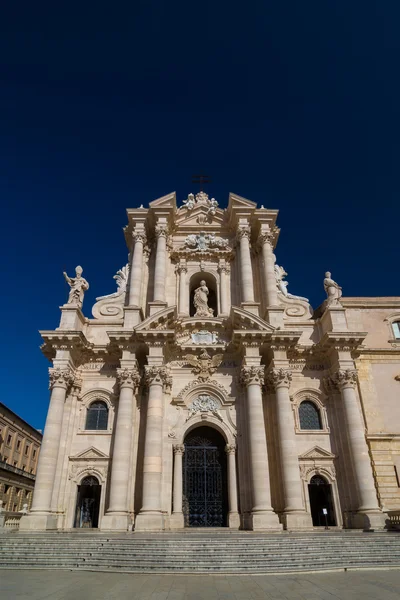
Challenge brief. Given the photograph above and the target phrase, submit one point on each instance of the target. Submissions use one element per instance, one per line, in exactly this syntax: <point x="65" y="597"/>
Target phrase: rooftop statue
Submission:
<point x="201" y="199"/>
<point x="333" y="290"/>
<point x="280" y="273"/>
<point x="78" y="286"/>
<point x="200" y="301"/>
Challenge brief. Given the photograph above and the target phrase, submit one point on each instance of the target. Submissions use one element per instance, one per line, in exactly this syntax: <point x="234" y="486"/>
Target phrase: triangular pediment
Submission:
<point x="164" y="319"/>
<point x="198" y="218"/>
<point x="317" y="453"/>
<point x="243" y="319"/>
<point x="236" y="201"/>
<point x="168" y="201"/>
<point x="91" y="452"/>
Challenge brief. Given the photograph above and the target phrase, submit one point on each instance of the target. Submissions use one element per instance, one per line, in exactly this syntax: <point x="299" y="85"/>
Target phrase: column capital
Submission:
<point x="62" y="378"/>
<point x="178" y="448"/>
<point x="252" y="375"/>
<point x="230" y="448"/>
<point x="158" y="375"/>
<point x="128" y="378"/>
<point x="181" y="268"/>
<point x="279" y="378"/>
<point x="224" y="269"/>
<point x="345" y="378"/>
<point x="139" y="235"/>
<point x="243" y="231"/>
<point x="161" y="230"/>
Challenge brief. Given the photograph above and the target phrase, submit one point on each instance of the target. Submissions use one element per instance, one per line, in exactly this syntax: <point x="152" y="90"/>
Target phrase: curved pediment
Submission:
<point x="161" y="321"/>
<point x="243" y="319"/>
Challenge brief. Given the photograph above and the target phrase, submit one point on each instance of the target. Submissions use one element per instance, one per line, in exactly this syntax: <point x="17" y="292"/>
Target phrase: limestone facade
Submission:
<point x="202" y="341"/>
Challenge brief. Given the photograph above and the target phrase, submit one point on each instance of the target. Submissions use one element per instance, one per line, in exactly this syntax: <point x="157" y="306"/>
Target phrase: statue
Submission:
<point x="280" y="273"/>
<point x="78" y="286"/>
<point x="200" y="301"/>
<point x="333" y="290"/>
<point x="190" y="202"/>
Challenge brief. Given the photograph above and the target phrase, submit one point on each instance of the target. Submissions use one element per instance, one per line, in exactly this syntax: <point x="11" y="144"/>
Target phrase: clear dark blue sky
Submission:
<point x="105" y="106"/>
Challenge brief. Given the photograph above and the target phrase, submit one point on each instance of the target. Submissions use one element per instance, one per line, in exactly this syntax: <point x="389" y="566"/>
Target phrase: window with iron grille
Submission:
<point x="309" y="416"/>
<point x="97" y="416"/>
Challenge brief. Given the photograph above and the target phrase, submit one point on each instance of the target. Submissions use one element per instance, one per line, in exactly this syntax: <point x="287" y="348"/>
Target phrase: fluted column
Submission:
<point x="271" y="292"/>
<point x="135" y="274"/>
<point x="243" y="236"/>
<point x="263" y="517"/>
<point x="183" y="290"/>
<point x="117" y="517"/>
<point x="161" y="263"/>
<point x="40" y="518"/>
<point x="370" y="515"/>
<point x="233" y="516"/>
<point x="295" y="516"/>
<point x="150" y="516"/>
<point x="224" y="271"/>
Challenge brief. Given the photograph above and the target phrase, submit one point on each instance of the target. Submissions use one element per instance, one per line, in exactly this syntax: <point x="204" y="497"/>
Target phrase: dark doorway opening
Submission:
<point x="320" y="492"/>
<point x="205" y="499"/>
<point x="88" y="503"/>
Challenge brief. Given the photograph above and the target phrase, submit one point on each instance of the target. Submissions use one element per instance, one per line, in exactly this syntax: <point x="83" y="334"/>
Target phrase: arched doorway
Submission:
<point x="320" y="492"/>
<point x="88" y="503"/>
<point x="205" y="501"/>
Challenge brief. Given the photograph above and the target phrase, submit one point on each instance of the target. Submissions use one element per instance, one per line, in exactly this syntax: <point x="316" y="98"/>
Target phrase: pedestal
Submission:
<point x="149" y="521"/>
<point x="265" y="521"/>
<point x="115" y="522"/>
<point x="38" y="522"/>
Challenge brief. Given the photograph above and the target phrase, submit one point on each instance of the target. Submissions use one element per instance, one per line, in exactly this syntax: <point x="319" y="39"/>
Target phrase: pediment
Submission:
<point x="317" y="453"/>
<point x="198" y="217"/>
<point x="161" y="321"/>
<point x="243" y="319"/>
<point x="168" y="201"/>
<point x="236" y="201"/>
<point x="91" y="453"/>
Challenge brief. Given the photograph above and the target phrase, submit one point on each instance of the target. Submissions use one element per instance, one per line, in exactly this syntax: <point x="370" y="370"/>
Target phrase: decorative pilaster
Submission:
<point x="294" y="514"/>
<point x="161" y="232"/>
<point x="135" y="275"/>
<point x="243" y="237"/>
<point x="150" y="516"/>
<point x="61" y="379"/>
<point x="266" y="240"/>
<point x="177" y="521"/>
<point x="181" y="269"/>
<point x="233" y="516"/>
<point x="262" y="515"/>
<point x="369" y="514"/>
<point x="117" y="517"/>
<point x="224" y="271"/>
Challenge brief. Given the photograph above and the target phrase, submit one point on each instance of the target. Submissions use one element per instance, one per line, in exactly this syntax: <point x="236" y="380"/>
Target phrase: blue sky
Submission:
<point x="294" y="105"/>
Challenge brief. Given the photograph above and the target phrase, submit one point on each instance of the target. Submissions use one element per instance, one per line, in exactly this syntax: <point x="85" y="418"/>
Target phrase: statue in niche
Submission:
<point x="332" y="289"/>
<point x="280" y="273"/>
<point x="78" y="286"/>
<point x="200" y="301"/>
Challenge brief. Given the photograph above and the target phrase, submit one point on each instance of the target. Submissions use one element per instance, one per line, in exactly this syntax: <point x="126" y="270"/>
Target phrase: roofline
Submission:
<point x="2" y="405"/>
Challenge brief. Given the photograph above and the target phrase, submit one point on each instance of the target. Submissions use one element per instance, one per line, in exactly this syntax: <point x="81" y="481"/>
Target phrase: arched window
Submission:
<point x="309" y="416"/>
<point x="396" y="329"/>
<point x="97" y="416"/>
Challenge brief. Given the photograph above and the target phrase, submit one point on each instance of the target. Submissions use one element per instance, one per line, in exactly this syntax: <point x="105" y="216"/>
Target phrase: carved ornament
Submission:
<point x="158" y="375"/>
<point x="203" y="403"/>
<point x="230" y="448"/>
<point x="179" y="448"/>
<point x="112" y="305"/>
<point x="60" y="377"/>
<point x="345" y="378"/>
<point x="128" y="378"/>
<point x="280" y="378"/>
<point x="204" y="366"/>
<point x="252" y="375"/>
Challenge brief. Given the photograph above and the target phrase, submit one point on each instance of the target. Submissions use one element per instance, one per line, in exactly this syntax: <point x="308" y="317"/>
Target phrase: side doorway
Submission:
<point x="321" y="500"/>
<point x="88" y="503"/>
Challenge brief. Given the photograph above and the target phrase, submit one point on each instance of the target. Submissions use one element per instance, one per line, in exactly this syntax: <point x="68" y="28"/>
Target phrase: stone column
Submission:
<point x="117" y="517"/>
<point x="177" y="521"/>
<point x="183" y="290"/>
<point x="262" y="515"/>
<point x="161" y="263"/>
<point x="271" y="291"/>
<point x="294" y="513"/>
<point x="233" y="517"/>
<point x="150" y="516"/>
<point x="40" y="516"/>
<point x="135" y="275"/>
<point x="224" y="271"/>
<point x="243" y="236"/>
<point x="369" y="514"/>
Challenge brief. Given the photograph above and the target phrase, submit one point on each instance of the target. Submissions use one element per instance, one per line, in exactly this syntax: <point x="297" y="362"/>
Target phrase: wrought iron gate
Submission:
<point x="203" y="484"/>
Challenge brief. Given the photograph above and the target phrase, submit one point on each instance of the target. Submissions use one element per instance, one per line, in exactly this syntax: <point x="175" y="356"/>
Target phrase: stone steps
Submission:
<point x="200" y="553"/>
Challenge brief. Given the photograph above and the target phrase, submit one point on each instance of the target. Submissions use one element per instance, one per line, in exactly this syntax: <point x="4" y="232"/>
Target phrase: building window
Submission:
<point x="18" y="445"/>
<point x="27" y="449"/>
<point x="396" y="329"/>
<point x="309" y="416"/>
<point x="9" y="440"/>
<point x="97" y="416"/>
<point x="34" y="453"/>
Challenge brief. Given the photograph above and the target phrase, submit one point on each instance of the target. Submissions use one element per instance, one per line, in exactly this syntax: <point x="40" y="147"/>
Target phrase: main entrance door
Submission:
<point x="320" y="492"/>
<point x="204" y="479"/>
<point x="88" y="503"/>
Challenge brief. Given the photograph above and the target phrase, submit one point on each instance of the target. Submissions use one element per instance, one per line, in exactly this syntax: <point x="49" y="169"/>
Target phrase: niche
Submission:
<point x="212" y="289"/>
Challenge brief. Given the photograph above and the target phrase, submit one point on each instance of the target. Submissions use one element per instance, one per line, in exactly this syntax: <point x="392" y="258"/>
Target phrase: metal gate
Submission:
<point x="204" y="502"/>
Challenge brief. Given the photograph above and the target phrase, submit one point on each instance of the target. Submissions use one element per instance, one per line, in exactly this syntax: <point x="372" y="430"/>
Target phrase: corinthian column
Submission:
<point x="117" y="517"/>
<point x="150" y="516"/>
<point x="262" y="514"/>
<point x="40" y="516"/>
<point x="243" y="236"/>
<point x="233" y="516"/>
<point x="135" y="275"/>
<point x="177" y="521"/>
<point x="224" y="271"/>
<point x="271" y="292"/>
<point x="161" y="262"/>
<point x="369" y="514"/>
<point x="294" y="514"/>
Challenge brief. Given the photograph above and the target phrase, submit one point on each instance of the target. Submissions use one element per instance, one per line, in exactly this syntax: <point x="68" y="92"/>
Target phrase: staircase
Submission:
<point x="223" y="553"/>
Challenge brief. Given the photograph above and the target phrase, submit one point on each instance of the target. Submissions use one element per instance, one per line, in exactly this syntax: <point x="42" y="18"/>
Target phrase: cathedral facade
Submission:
<point x="203" y="394"/>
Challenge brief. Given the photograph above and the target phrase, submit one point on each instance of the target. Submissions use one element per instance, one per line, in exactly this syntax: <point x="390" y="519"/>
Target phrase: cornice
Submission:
<point x="63" y="339"/>
<point x="350" y="340"/>
<point x="378" y="302"/>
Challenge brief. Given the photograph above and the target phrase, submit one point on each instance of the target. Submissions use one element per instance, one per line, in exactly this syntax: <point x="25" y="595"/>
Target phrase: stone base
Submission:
<point x="156" y="306"/>
<point x="115" y="522"/>
<point x="38" y="522"/>
<point x="133" y="315"/>
<point x="300" y="520"/>
<point x="369" y="520"/>
<point x="176" y="521"/>
<point x="274" y="316"/>
<point x="151" y="521"/>
<point x="252" y="307"/>
<point x="268" y="520"/>
<point x="234" y="520"/>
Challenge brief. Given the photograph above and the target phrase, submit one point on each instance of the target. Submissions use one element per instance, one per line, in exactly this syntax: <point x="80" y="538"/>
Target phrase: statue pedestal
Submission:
<point x="334" y="319"/>
<point x="71" y="317"/>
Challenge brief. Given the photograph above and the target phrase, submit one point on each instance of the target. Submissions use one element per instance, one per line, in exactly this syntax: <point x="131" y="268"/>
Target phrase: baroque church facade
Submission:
<point x="203" y="394"/>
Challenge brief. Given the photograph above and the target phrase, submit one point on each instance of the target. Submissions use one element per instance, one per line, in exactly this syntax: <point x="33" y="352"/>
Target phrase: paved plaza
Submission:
<point x="72" y="585"/>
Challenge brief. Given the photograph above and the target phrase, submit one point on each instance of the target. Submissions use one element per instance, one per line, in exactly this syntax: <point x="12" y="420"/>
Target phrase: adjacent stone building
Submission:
<point x="19" y="453"/>
<point x="202" y="393"/>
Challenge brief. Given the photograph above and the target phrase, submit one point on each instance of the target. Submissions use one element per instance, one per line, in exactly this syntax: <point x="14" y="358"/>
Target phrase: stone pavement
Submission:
<point x="73" y="585"/>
